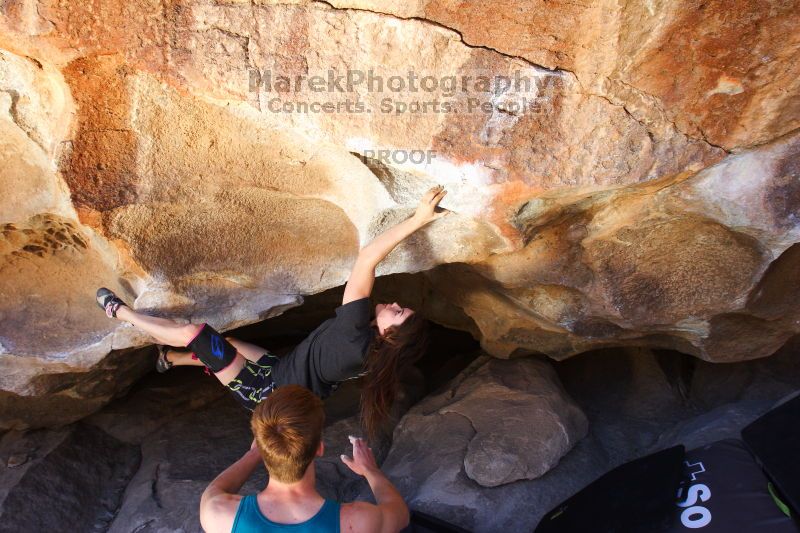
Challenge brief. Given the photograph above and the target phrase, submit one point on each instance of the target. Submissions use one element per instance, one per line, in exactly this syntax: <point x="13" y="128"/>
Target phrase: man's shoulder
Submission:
<point x="360" y="516"/>
<point x="219" y="512"/>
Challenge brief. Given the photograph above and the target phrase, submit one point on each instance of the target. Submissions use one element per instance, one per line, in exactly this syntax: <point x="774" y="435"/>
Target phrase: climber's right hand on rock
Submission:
<point x="362" y="462"/>
<point x="426" y="210"/>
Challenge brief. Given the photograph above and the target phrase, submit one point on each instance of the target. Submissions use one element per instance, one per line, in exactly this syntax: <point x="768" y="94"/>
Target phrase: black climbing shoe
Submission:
<point x="162" y="363"/>
<point x="108" y="302"/>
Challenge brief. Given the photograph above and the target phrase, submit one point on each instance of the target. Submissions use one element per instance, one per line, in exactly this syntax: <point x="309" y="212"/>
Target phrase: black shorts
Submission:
<point x="254" y="382"/>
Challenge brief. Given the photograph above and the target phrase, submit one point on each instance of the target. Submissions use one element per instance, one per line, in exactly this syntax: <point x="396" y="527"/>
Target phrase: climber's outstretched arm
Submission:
<point x="362" y="277"/>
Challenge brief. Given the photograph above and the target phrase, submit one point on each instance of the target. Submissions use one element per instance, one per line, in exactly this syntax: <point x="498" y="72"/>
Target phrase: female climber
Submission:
<point x="347" y="346"/>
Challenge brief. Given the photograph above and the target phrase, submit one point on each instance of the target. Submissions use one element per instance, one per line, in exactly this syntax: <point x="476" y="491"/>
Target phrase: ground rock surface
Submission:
<point x="142" y="462"/>
<point x="77" y="479"/>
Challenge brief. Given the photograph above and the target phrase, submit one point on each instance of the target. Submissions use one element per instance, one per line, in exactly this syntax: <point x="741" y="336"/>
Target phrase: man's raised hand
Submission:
<point x="362" y="461"/>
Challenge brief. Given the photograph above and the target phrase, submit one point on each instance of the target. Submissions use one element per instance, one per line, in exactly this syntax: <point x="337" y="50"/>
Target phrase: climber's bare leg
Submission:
<point x="171" y="333"/>
<point x="164" y="330"/>
<point x="182" y="358"/>
<point x="227" y="374"/>
<point x="251" y="352"/>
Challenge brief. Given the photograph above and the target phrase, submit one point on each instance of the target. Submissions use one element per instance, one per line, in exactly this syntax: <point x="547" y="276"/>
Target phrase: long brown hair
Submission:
<point x="389" y="355"/>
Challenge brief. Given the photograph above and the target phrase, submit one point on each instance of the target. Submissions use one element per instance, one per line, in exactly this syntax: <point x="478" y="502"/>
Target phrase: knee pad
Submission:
<point x="212" y="349"/>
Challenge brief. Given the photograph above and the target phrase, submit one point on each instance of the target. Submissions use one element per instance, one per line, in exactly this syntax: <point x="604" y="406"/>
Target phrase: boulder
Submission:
<point x="498" y="422"/>
<point x="490" y="440"/>
<point x="219" y="162"/>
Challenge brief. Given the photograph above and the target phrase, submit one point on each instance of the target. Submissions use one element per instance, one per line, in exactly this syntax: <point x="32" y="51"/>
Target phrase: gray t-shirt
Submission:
<point x="333" y="352"/>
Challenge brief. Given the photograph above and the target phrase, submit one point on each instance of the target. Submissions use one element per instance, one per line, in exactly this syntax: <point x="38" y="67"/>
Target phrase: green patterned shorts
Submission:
<point x="254" y="381"/>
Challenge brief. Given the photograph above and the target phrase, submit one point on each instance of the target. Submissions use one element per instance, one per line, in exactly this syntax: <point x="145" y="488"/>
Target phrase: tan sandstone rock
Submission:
<point x="150" y="147"/>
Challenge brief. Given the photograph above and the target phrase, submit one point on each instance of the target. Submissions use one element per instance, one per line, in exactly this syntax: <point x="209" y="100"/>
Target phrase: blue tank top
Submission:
<point x="249" y="519"/>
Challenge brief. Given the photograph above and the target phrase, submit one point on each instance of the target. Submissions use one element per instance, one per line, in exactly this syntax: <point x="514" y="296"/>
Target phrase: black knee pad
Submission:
<point x="212" y="349"/>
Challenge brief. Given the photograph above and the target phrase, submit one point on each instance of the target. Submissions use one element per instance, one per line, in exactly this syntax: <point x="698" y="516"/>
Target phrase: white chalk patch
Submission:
<point x="727" y="85"/>
<point x="359" y="144"/>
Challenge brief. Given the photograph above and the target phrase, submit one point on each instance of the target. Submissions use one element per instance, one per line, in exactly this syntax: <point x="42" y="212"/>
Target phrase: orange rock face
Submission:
<point x="617" y="174"/>
<point x="718" y="71"/>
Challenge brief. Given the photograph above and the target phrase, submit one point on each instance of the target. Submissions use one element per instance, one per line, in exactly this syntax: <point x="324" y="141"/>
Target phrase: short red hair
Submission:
<point x="287" y="426"/>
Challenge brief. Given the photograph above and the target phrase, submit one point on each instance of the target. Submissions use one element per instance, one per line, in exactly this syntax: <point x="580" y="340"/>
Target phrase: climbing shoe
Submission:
<point x="162" y="363"/>
<point x="108" y="302"/>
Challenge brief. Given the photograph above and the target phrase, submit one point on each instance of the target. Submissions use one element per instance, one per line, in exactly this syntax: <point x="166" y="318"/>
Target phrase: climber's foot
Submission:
<point x="162" y="363"/>
<point x="108" y="302"/>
